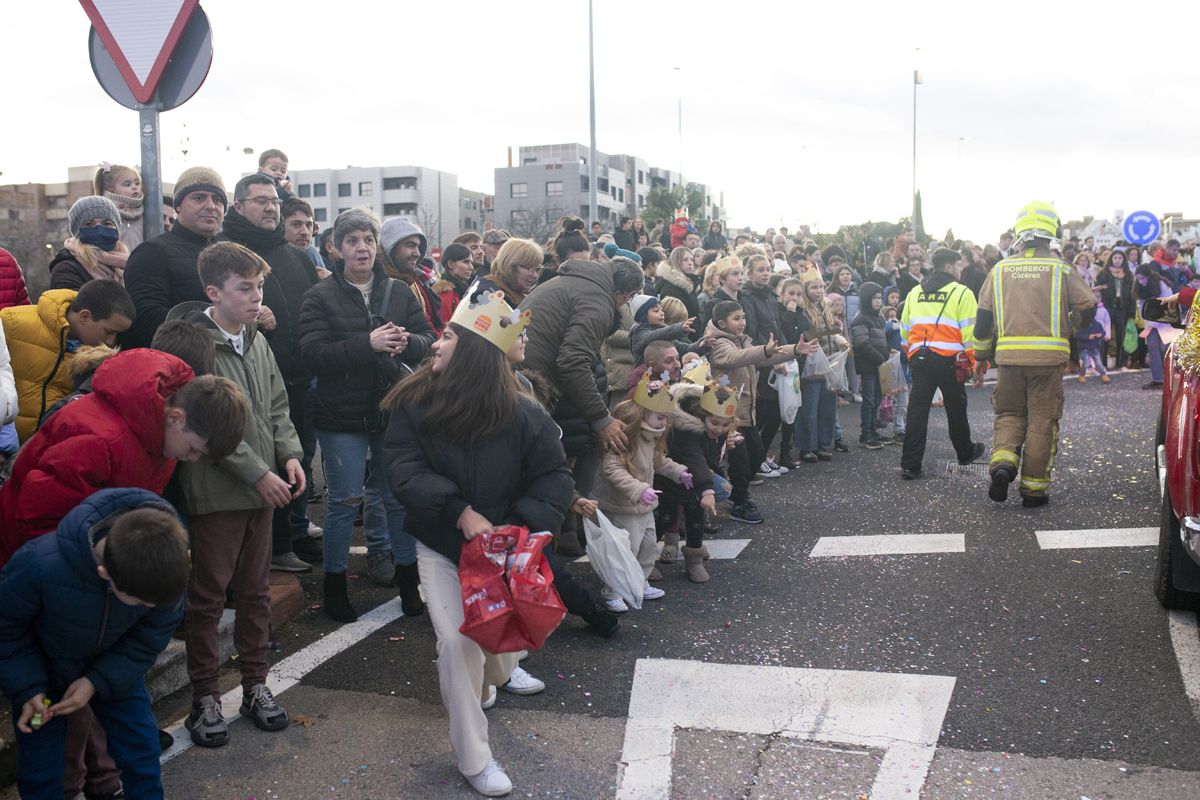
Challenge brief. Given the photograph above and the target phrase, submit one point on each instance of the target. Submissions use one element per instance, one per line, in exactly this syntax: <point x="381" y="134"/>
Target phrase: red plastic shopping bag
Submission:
<point x="538" y="606"/>
<point x="489" y="617"/>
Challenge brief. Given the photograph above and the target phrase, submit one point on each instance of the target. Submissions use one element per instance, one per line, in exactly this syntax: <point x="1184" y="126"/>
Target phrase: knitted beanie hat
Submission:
<point x="89" y="208"/>
<point x="640" y="305"/>
<point x="612" y="251"/>
<point x="199" y="179"/>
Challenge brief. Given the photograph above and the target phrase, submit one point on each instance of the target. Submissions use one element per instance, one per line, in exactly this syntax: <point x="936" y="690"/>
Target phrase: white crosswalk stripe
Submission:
<point x="1097" y="537"/>
<point x="888" y="545"/>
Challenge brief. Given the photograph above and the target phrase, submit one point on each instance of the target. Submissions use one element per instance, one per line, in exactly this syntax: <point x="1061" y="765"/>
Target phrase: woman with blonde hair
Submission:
<point x="123" y="186"/>
<point x="676" y="278"/>
<point x="515" y="271"/>
<point x="94" y="248"/>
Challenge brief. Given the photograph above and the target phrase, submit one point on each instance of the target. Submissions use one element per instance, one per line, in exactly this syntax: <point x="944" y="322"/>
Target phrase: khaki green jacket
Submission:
<point x="269" y="440"/>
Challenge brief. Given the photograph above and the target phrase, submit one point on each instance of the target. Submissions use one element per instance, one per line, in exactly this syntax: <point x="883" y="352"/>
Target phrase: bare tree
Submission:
<point x="536" y="222"/>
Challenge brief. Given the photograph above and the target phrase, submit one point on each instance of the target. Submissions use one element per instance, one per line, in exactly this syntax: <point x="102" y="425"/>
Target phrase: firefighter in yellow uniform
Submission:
<point x="1023" y="324"/>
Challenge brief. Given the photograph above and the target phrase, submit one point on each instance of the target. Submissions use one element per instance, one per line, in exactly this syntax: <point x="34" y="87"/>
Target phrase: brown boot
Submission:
<point x="693" y="560"/>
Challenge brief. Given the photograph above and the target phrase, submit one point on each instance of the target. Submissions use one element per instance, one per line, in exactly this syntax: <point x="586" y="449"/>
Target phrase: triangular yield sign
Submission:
<point x="140" y="35"/>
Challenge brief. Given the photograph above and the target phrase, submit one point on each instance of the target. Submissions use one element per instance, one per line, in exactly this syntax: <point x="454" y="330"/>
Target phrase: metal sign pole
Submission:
<point x="152" y="216"/>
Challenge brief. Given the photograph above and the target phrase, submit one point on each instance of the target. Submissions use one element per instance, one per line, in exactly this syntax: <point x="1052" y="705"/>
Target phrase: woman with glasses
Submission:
<point x="360" y="332"/>
<point x="515" y="271"/>
<point x="94" y="248"/>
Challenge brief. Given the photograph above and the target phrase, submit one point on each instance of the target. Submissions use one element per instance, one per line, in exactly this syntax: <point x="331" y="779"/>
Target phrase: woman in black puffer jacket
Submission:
<point x="361" y="331"/>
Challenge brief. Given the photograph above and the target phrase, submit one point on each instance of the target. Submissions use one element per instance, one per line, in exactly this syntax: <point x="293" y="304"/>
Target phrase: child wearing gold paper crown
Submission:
<point x="625" y="487"/>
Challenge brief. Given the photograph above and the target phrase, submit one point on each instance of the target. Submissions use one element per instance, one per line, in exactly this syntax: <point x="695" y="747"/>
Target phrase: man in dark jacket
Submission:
<point x="84" y="612"/>
<point x="255" y="223"/>
<point x="161" y="273"/>
<point x="404" y="246"/>
<point x="868" y="337"/>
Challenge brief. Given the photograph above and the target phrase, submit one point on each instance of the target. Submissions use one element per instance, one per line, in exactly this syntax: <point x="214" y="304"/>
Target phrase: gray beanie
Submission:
<point x="396" y="230"/>
<point x="89" y="208"/>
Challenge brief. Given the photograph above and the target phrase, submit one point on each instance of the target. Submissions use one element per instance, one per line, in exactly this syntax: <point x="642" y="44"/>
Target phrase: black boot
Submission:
<point x="409" y="579"/>
<point x="601" y="620"/>
<point x="337" y="602"/>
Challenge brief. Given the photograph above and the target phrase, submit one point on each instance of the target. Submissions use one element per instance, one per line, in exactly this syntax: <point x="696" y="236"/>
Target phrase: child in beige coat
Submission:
<point x="625" y="487"/>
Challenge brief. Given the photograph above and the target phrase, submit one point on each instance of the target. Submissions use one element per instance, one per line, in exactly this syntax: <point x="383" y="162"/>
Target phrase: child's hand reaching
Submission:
<point x="771" y="347"/>
<point x="649" y="498"/>
<point x="585" y="507"/>
<point x="709" y="504"/>
<point x="689" y="325"/>
<point x="687" y="480"/>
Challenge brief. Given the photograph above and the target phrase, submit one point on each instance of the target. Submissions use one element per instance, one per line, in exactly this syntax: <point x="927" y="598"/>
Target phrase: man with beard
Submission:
<point x="255" y="222"/>
<point x="403" y="246"/>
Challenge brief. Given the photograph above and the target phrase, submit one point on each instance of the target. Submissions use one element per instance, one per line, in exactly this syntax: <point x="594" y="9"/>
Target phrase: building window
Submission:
<point x="553" y="215"/>
<point x="621" y="195"/>
<point x="305" y="190"/>
<point x="14" y="214"/>
<point x="365" y="188"/>
<point x="320" y="214"/>
<point x="519" y="218"/>
<point x="583" y="183"/>
<point x="392" y="184"/>
<point x="318" y="190"/>
<point x="343" y="210"/>
<point x="553" y="188"/>
<point x="641" y="176"/>
<point x="399" y="209"/>
<point x="519" y="191"/>
<point x="344" y="190"/>
<point x="641" y="201"/>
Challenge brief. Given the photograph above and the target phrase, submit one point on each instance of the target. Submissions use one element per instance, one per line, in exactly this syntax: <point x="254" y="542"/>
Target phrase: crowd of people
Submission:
<point x="166" y="399"/>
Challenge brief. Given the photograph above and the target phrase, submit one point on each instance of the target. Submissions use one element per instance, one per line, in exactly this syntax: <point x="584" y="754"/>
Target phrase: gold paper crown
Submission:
<point x="726" y="263"/>
<point x="713" y="405"/>
<point x="810" y="275"/>
<point x="653" y="395"/>
<point x="700" y="374"/>
<point x="491" y="318"/>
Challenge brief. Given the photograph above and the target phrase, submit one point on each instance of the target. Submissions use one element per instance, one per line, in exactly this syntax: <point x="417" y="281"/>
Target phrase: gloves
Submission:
<point x="649" y="498"/>
<point x="686" y="480"/>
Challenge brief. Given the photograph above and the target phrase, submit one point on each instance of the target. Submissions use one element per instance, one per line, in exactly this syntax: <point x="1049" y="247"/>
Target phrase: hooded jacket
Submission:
<point x="12" y="282"/>
<point x="111" y="437"/>
<point x="572" y="315"/>
<point x="738" y="358"/>
<point x="519" y="476"/>
<point x="690" y="444"/>
<point x="269" y="440"/>
<point x="292" y="274"/>
<point x="159" y="275"/>
<point x="37" y="342"/>
<point x="669" y="281"/>
<point x="868" y="335"/>
<point x="59" y="621"/>
<point x="335" y="340"/>
<point x="450" y="291"/>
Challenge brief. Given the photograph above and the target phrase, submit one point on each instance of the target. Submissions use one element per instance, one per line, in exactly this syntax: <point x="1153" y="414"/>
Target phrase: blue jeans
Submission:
<point x="722" y="488"/>
<point x="814" y="422"/>
<point x="345" y="456"/>
<point x="132" y="735"/>
<point x="869" y="389"/>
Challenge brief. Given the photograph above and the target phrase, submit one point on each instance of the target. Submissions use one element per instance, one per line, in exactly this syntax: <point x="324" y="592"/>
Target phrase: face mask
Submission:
<point x="100" y="236"/>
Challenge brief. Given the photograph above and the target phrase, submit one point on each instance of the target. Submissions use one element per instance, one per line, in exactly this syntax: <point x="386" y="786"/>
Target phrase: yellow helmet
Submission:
<point x="1037" y="220"/>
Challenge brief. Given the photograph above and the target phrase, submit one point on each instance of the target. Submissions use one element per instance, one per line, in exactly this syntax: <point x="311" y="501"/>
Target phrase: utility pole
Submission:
<point x="916" y="83"/>
<point x="592" y="102"/>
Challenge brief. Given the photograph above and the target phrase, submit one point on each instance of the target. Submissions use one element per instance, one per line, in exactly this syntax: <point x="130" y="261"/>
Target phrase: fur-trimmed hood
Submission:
<point x="672" y="275"/>
<point x="681" y="420"/>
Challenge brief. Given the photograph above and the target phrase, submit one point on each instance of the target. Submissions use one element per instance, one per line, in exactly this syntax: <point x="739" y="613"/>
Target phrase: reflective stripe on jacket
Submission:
<point x="941" y="318"/>
<point x="1031" y="299"/>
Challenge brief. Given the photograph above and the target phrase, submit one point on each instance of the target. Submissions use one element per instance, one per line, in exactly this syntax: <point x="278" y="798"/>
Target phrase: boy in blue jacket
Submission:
<point x="84" y="612"/>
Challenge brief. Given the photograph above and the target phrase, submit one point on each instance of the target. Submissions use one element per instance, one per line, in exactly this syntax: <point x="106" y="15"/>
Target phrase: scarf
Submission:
<point x="130" y="208"/>
<point x="238" y="229"/>
<point x="99" y="264"/>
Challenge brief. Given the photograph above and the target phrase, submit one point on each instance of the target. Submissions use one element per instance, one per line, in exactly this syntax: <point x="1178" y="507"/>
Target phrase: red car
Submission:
<point x="1177" y="572"/>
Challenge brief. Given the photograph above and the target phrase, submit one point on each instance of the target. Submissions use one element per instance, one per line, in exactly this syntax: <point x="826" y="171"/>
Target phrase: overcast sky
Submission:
<point x="798" y="113"/>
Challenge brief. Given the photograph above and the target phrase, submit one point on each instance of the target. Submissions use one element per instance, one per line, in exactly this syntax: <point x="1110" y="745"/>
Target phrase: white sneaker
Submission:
<point x="776" y="467"/>
<point x="490" y="700"/>
<point x="492" y="782"/>
<point x="314" y="529"/>
<point x="653" y="593"/>
<point x="614" y="603"/>
<point x="765" y="471"/>
<point x="521" y="682"/>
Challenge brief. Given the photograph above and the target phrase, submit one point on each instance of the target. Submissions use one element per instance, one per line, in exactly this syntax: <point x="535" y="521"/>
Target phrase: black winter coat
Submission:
<point x="670" y="282"/>
<point x="159" y="275"/>
<point x="868" y="334"/>
<point x="335" y="341"/>
<point x="292" y="274"/>
<point x="759" y="305"/>
<point x="1117" y="294"/>
<point x="518" y="477"/>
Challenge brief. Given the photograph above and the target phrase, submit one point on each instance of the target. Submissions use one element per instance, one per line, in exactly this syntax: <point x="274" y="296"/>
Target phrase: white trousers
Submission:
<point x="465" y="669"/>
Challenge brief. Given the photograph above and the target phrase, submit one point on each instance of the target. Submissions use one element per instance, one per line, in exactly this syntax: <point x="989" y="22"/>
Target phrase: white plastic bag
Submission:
<point x="837" y="380"/>
<point x="612" y="558"/>
<point x="890" y="377"/>
<point x="787" y="386"/>
<point x="816" y="365"/>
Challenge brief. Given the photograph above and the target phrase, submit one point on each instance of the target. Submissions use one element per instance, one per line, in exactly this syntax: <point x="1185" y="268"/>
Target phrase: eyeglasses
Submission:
<point x="265" y="201"/>
<point x="530" y="267"/>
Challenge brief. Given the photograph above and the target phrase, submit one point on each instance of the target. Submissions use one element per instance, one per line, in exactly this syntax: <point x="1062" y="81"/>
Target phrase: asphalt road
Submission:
<point x="1065" y="681"/>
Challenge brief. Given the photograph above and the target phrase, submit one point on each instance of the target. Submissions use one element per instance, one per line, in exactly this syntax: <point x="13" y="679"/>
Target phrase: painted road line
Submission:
<point x="718" y="549"/>
<point x="1185" y="637"/>
<point x="899" y="713"/>
<point x="287" y="673"/>
<point x="889" y="545"/>
<point x="1097" y="537"/>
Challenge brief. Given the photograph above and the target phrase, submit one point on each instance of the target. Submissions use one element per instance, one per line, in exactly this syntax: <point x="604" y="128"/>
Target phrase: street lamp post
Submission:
<point x="916" y="83"/>
<point x="592" y="103"/>
<point x="679" y="87"/>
